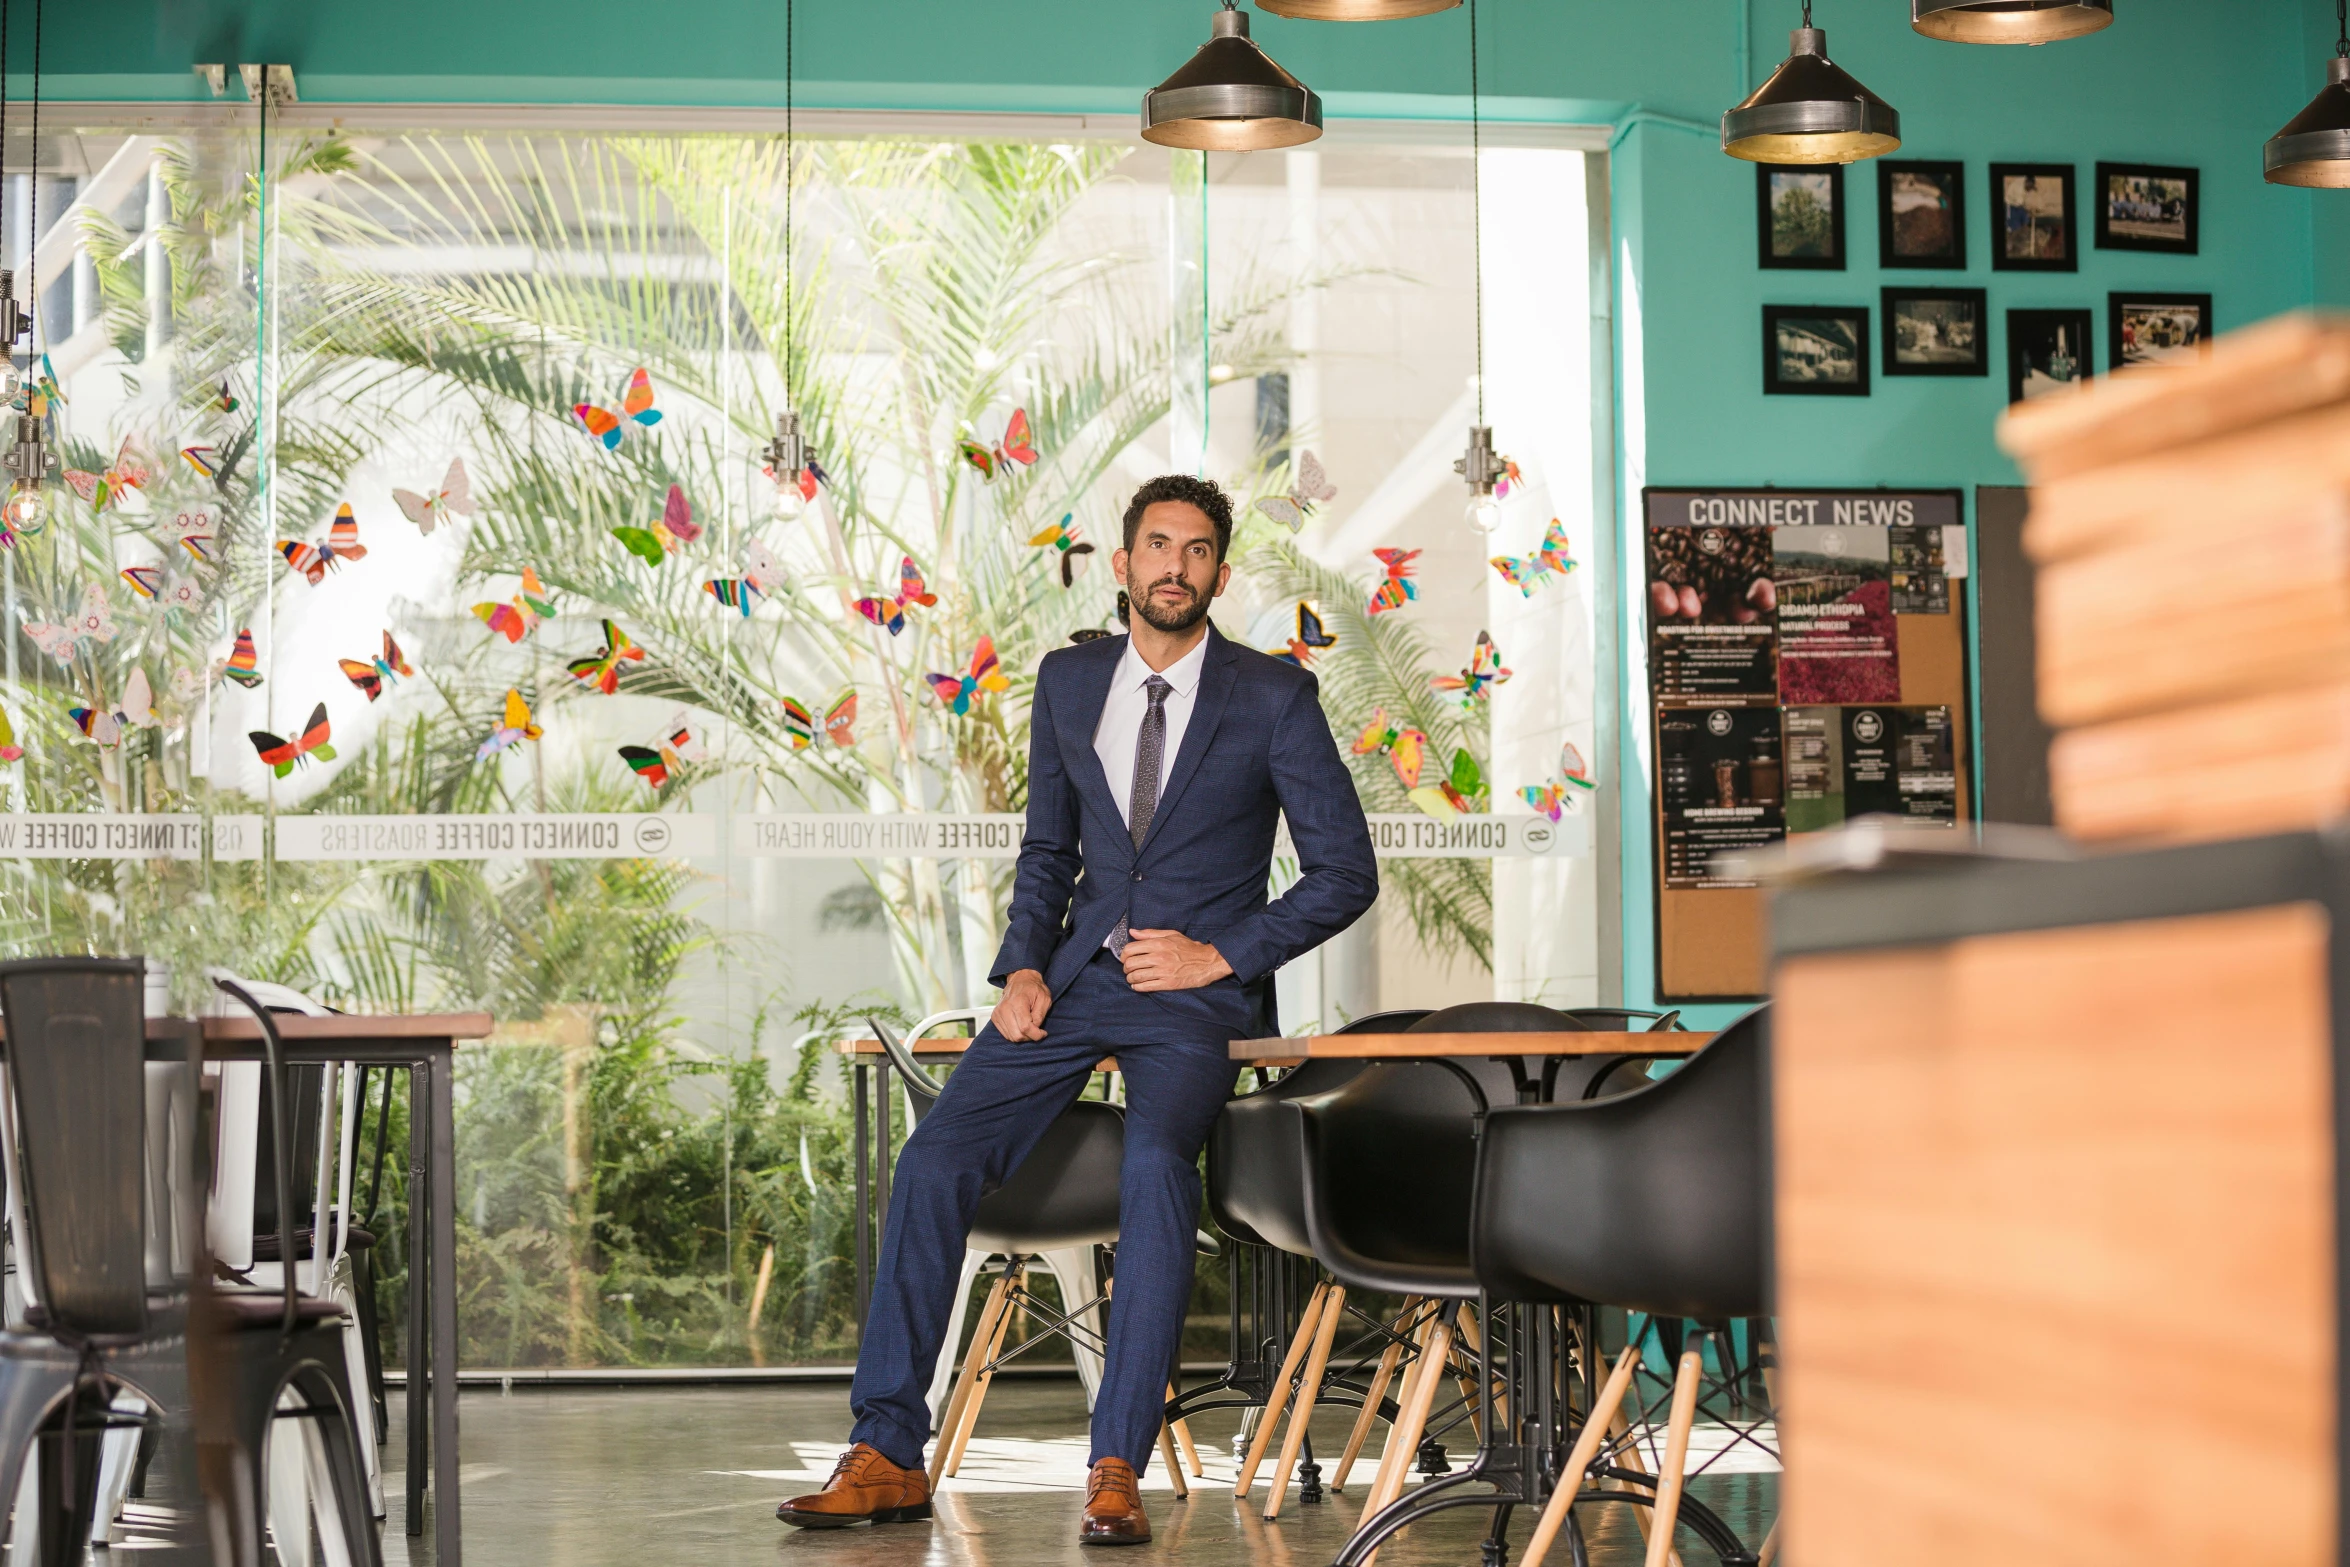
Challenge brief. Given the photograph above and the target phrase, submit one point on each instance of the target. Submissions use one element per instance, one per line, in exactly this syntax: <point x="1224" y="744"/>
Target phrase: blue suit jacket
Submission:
<point x="1257" y="748"/>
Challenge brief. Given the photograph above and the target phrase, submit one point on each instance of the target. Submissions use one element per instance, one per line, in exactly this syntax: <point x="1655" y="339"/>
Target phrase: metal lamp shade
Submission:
<point x="1355" y="10"/>
<point x="2315" y="148"/>
<point x="1231" y="97"/>
<point x="1811" y="111"/>
<point x="2009" y="21"/>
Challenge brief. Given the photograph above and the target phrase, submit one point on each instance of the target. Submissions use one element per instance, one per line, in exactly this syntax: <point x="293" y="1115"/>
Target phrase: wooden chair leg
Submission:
<point x="1392" y="1452"/>
<point x="1473" y="1341"/>
<point x="1770" y="1547"/>
<point x="1672" y="1473"/>
<point x="1405" y="1439"/>
<point x="951" y="1421"/>
<point x="1628" y="1457"/>
<point x="1274" y="1403"/>
<point x="1379" y="1381"/>
<point x="1182" y="1429"/>
<point x="1003" y="1325"/>
<point x="1587" y="1445"/>
<point x="1309" y="1392"/>
<point x="1174" y="1469"/>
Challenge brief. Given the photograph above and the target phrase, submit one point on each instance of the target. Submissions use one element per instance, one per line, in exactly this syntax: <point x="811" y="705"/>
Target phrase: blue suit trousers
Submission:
<point x="997" y="1104"/>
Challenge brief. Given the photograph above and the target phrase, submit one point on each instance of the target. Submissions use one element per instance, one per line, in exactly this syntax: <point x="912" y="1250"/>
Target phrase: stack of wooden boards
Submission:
<point x="2191" y="526"/>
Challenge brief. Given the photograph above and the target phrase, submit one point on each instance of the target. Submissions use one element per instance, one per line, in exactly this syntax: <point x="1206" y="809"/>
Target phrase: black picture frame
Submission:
<point x="2056" y="346"/>
<point x="1790" y="330"/>
<point x="2049" y="243"/>
<point x="1909" y="242"/>
<point x="2123" y="221"/>
<point x="1773" y="251"/>
<point x="2128" y="315"/>
<point x="1949" y="331"/>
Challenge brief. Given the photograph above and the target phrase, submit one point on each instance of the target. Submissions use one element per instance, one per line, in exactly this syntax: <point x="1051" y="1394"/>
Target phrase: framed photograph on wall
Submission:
<point x="1816" y="350"/>
<point x="1799" y="216"/>
<point x="1921" y="215"/>
<point x="1936" y="331"/>
<point x="2033" y="226"/>
<point x="2048" y="351"/>
<point x="2147" y="206"/>
<point x="2158" y="329"/>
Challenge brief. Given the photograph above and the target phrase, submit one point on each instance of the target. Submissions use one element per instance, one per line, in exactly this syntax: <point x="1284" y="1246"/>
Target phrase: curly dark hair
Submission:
<point x="1206" y="494"/>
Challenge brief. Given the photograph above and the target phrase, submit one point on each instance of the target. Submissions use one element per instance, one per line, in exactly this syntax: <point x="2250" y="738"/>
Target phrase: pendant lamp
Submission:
<point x="1231" y="97"/>
<point x="1356" y="10"/>
<point x="1810" y="111"/>
<point x="2315" y="148"/>
<point x="2009" y="21"/>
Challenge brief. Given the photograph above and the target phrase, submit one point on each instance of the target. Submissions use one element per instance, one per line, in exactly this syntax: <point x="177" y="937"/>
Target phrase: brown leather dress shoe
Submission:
<point x="1113" y="1506"/>
<point x="865" y="1488"/>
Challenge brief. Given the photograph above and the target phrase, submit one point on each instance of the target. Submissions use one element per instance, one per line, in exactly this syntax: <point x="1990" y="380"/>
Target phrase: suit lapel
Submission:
<point x="1218" y="671"/>
<point x="1089" y="685"/>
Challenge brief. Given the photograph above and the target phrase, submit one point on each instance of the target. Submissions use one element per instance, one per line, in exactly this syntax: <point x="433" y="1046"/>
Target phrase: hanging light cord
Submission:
<point x="1807" y="14"/>
<point x="787" y="203"/>
<point x="2342" y="23"/>
<point x="32" y="226"/>
<point x="1477" y="206"/>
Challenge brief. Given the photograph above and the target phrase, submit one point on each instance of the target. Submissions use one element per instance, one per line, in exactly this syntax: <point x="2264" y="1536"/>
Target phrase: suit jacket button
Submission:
<point x="1138" y="875"/>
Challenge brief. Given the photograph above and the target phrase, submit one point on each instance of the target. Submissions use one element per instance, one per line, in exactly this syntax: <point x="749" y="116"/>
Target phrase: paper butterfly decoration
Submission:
<point x="1550" y="559"/>
<point x="47" y="389"/>
<point x="1483" y="674"/>
<point x="226" y="402"/>
<point x="145" y="581"/>
<point x="1405" y="749"/>
<point x="677" y="526"/>
<point x="959" y="692"/>
<point x="1455" y="794"/>
<point x="244" y="665"/>
<point x="1511" y="479"/>
<point x="10" y="751"/>
<point x="1310" y="638"/>
<point x="516" y="727"/>
<point x="204" y="459"/>
<point x="1309" y="487"/>
<point x="1075" y="552"/>
<point x="654" y="763"/>
<point x="602" y="669"/>
<point x="283" y="756"/>
<point x="184" y="594"/>
<point x="514" y="618"/>
<point x="94" y="623"/>
<point x="890" y="613"/>
<point x="193" y="529"/>
<point x="762" y="573"/>
<point x="385" y="670"/>
<point x="137" y="708"/>
<point x="185" y="687"/>
<point x="342" y="544"/>
<point x="636" y="407"/>
<point x="1399" y="589"/>
<point x="453" y="498"/>
<point x="102" y="490"/>
<point x="799" y="725"/>
<point x="735" y="593"/>
<point x="1017" y="446"/>
<point x="1555" y="798"/>
<point x="807" y="479"/>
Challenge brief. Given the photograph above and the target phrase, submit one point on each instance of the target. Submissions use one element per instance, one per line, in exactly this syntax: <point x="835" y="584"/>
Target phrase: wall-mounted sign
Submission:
<point x="619" y="835"/>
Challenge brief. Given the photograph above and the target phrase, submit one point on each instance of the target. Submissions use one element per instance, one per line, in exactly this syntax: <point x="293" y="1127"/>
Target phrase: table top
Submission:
<point x="1428" y="1047"/>
<point x="941" y="1048"/>
<point x="352" y="1025"/>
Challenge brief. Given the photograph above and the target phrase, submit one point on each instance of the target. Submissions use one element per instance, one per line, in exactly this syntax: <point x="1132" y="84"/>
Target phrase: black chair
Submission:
<point x="1657" y="1201"/>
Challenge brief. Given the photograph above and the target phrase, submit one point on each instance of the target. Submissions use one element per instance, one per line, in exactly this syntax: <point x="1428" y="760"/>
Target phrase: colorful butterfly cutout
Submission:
<point x="654" y="763"/>
<point x="10" y="751"/>
<point x="184" y="594"/>
<point x="760" y="567"/>
<point x="93" y="623"/>
<point x="342" y="544"/>
<point x="1310" y="638"/>
<point x="800" y="728"/>
<point x="1017" y="447"/>
<point x="136" y="709"/>
<point x="226" y="402"/>
<point x="959" y="692"/>
<point x="453" y="498"/>
<point x="1309" y="487"/>
<point x="1534" y="570"/>
<point x="1075" y="552"/>
<point x="283" y="756"/>
<point x="1477" y="681"/>
<point x="385" y="670"/>
<point x="1555" y="798"/>
<point x="1405" y="749"/>
<point x="677" y="526"/>
<point x="517" y="727"/>
<point x="102" y="490"/>
<point x="636" y="407"/>
<point x="514" y="618"/>
<point x="1455" y="794"/>
<point x="1510" y="479"/>
<point x="807" y="479"/>
<point x="204" y="459"/>
<point x="1399" y="589"/>
<point x="46" y="389"/>
<point x="145" y="581"/>
<point x="193" y="529"/>
<point x="736" y="593"/>
<point x="601" y="669"/>
<point x="244" y="665"/>
<point x="890" y="613"/>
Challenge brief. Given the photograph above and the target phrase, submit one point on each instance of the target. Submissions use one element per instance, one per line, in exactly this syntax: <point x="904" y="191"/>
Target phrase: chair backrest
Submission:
<point x="273" y="1081"/>
<point x="1621" y="1019"/>
<point x="76" y="1067"/>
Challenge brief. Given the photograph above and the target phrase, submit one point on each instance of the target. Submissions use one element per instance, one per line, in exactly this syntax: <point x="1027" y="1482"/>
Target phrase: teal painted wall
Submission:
<point x="2201" y="82"/>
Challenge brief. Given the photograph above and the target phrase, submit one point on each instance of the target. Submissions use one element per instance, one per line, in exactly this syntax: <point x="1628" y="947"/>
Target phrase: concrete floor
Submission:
<point x="690" y="1478"/>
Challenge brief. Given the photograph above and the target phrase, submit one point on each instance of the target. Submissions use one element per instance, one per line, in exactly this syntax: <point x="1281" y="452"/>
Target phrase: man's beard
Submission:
<point x="1145" y="603"/>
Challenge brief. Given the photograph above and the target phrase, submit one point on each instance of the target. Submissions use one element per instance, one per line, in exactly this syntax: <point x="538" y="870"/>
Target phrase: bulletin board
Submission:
<point x="1807" y="664"/>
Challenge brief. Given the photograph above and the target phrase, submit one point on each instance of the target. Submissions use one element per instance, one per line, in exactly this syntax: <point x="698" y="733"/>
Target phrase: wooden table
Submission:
<point x="1516" y="1051"/>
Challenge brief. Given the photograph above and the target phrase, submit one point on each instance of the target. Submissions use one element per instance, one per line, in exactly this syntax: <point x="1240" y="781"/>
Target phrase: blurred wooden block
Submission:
<point x="2227" y="770"/>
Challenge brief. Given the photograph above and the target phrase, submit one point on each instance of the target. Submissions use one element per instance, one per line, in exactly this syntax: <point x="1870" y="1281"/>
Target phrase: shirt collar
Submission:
<point x="1183" y="674"/>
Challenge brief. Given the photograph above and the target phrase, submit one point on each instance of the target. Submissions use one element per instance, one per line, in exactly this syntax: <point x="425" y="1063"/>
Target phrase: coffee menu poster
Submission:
<point x="1807" y="659"/>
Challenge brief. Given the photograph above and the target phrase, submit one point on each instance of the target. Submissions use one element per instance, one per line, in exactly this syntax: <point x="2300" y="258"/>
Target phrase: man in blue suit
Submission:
<point x="1160" y="766"/>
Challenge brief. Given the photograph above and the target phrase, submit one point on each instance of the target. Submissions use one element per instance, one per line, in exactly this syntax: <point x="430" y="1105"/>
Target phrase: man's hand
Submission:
<point x="1020" y="1015"/>
<point x="1170" y="960"/>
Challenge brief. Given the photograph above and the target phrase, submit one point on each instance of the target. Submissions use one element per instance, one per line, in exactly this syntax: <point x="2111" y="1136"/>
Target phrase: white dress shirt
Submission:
<point x="1122" y="713"/>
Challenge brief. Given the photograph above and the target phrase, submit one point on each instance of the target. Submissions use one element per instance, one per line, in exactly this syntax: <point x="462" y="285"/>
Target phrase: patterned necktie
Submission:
<point x="1142" y="803"/>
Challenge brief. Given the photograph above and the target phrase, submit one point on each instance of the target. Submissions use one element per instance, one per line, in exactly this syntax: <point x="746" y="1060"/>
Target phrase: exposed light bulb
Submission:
<point x="1484" y="513"/>
<point x="790" y="504"/>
